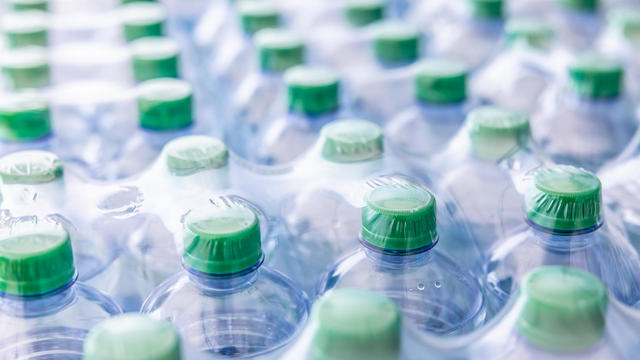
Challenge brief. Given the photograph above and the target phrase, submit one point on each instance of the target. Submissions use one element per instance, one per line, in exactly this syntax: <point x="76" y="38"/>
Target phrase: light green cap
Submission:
<point x="564" y="198"/>
<point x="155" y="57"/>
<point x="256" y="15"/>
<point x="24" y="116"/>
<point x="134" y="1"/>
<point x="24" y="5"/>
<point x="25" y="28"/>
<point x="441" y="81"/>
<point x="396" y="42"/>
<point x="142" y="19"/>
<point x="564" y="308"/>
<point x="351" y="141"/>
<point x="187" y="155"/>
<point x="496" y="132"/>
<point x="165" y="104"/>
<point x="596" y="77"/>
<point x="132" y="337"/>
<point x="279" y="49"/>
<point x="26" y="67"/>
<point x="312" y="90"/>
<point x="364" y="12"/>
<point x="35" y="257"/>
<point x="356" y="324"/>
<point x="399" y="217"/>
<point x="222" y="240"/>
<point x="487" y="9"/>
<point x="30" y="167"/>
<point x="580" y="5"/>
<point x="627" y="22"/>
<point x="533" y="32"/>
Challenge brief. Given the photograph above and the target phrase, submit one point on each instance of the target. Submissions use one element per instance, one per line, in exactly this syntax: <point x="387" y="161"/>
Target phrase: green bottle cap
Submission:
<point x="564" y="198"/>
<point x="396" y="42"/>
<point x="626" y="21"/>
<point x="580" y="5"/>
<point x="25" y="28"/>
<point x="399" y="217"/>
<point x="25" y="5"/>
<point x="356" y="324"/>
<point x="257" y="15"/>
<point x="155" y="57"/>
<point x="351" y="141"/>
<point x="165" y="104"/>
<point x="35" y="257"/>
<point x="365" y="12"/>
<point x="142" y="19"/>
<point x="30" y="167"/>
<point x="132" y="337"/>
<point x="441" y="81"/>
<point x="487" y="9"/>
<point x="312" y="90"/>
<point x="187" y="155"/>
<point x="496" y="132"/>
<point x="24" y="116"/>
<point x="222" y="240"/>
<point x="133" y="1"/>
<point x="279" y="49"/>
<point x="564" y="308"/>
<point x="596" y="77"/>
<point x="533" y="32"/>
<point x="26" y="67"/>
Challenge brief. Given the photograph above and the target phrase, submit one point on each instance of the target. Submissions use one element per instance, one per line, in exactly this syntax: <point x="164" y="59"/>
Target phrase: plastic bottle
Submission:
<point x="439" y="107"/>
<point x="589" y="107"/>
<point x="45" y="313"/>
<point x="249" y="310"/>
<point x="577" y="22"/>
<point x="397" y="259"/>
<point x="566" y="227"/>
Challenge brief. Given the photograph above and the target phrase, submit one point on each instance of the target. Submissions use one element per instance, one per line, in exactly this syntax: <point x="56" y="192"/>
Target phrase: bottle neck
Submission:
<point x="563" y="240"/>
<point x="213" y="285"/>
<point x="398" y="259"/>
<point x="214" y="179"/>
<point x="38" y="305"/>
<point x="33" y="198"/>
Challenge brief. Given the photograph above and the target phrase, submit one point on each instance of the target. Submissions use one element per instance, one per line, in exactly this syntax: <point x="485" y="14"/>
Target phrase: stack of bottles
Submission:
<point x="319" y="180"/>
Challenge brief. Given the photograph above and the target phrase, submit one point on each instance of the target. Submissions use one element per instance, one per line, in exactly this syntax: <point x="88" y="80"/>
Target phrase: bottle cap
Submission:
<point x="25" y="5"/>
<point x="399" y="217"/>
<point x="30" y="167"/>
<point x="487" y="9"/>
<point x="190" y="154"/>
<point x="26" y="67"/>
<point x="496" y="132"/>
<point x="627" y="22"/>
<point x="396" y="42"/>
<point x="222" y="240"/>
<point x="580" y="5"/>
<point x="441" y="81"/>
<point x="312" y="90"/>
<point x="132" y="336"/>
<point x="564" y="198"/>
<point x="155" y="57"/>
<point x="356" y="324"/>
<point x="25" y="28"/>
<point x="564" y="308"/>
<point x="142" y="19"/>
<point x="257" y="15"/>
<point x="365" y="12"/>
<point x="35" y="258"/>
<point x="352" y="141"/>
<point x="279" y="49"/>
<point x="24" y="116"/>
<point x="165" y="104"/>
<point x="596" y="77"/>
<point x="533" y="32"/>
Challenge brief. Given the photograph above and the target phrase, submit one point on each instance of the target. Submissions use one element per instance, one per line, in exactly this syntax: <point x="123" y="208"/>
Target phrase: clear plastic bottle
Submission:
<point x="577" y="22"/>
<point x="351" y="324"/>
<point x="397" y="259"/>
<point x="44" y="312"/>
<point x="590" y="107"/>
<point x="261" y="95"/>
<point x="225" y="302"/>
<point x="439" y="108"/>
<point x="566" y="227"/>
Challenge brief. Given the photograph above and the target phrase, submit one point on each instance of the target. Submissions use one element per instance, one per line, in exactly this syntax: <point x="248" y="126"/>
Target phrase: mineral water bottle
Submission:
<point x="397" y="258"/>
<point x="262" y="94"/>
<point x="438" y="109"/>
<point x="249" y="310"/>
<point x="577" y="22"/>
<point x="590" y="107"/>
<point x="566" y="227"/>
<point x="45" y="312"/>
